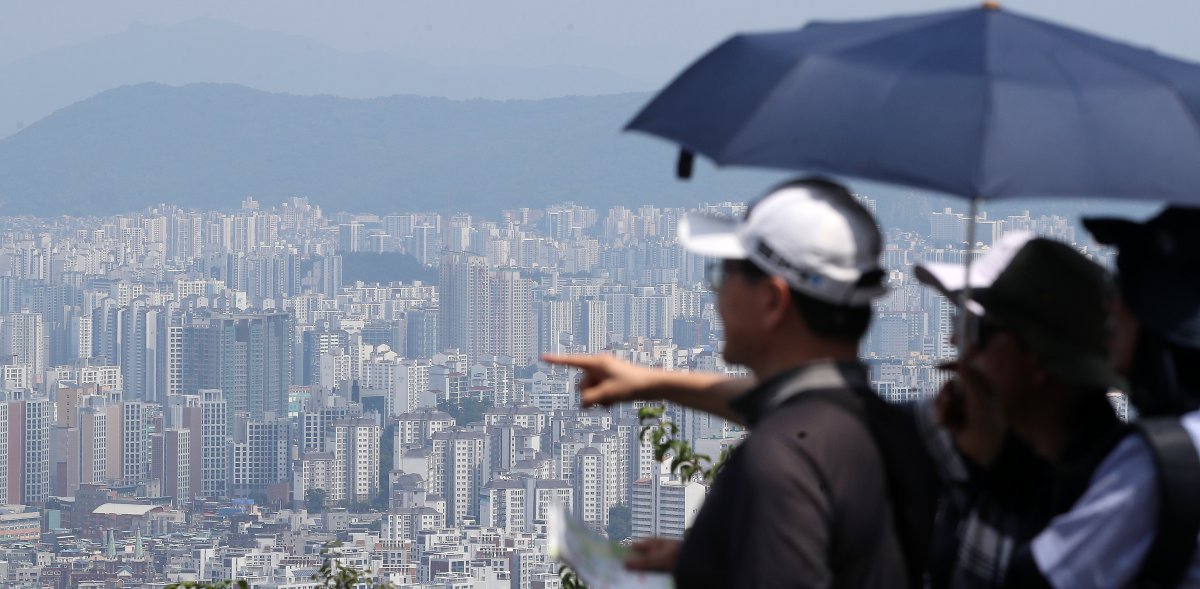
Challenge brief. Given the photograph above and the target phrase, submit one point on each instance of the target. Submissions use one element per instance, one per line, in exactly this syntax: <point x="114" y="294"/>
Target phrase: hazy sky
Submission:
<point x="646" y="39"/>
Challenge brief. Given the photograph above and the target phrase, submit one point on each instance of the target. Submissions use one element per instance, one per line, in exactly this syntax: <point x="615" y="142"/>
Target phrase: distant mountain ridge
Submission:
<point x="209" y="145"/>
<point x="214" y="51"/>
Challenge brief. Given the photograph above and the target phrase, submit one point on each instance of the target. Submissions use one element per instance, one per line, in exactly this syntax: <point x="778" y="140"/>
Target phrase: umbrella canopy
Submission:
<point x="979" y="103"/>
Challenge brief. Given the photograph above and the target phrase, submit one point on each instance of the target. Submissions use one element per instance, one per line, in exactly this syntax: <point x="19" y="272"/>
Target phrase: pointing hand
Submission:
<point x="607" y="380"/>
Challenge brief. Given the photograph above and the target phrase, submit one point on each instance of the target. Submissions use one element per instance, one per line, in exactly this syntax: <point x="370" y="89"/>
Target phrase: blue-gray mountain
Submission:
<point x="213" y="51"/>
<point x="211" y="145"/>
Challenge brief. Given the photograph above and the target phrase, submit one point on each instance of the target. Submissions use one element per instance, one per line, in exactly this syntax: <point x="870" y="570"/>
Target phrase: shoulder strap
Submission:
<point x="1179" y="511"/>
<point x="911" y="478"/>
<point x="842" y="398"/>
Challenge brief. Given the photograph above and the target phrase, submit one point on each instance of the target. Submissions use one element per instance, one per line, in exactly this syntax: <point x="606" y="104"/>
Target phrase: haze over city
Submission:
<point x="276" y="279"/>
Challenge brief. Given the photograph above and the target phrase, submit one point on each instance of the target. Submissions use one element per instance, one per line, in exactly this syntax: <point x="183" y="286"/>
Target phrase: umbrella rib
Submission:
<point x="753" y="114"/>
<point x="985" y="121"/>
<point x="1107" y="56"/>
<point x="800" y="63"/>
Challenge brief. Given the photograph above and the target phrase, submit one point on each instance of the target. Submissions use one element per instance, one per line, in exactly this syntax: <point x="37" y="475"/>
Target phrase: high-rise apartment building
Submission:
<point x="511" y="309"/>
<point x="315" y="343"/>
<point x="664" y="506"/>
<point x="260" y="453"/>
<point x="214" y="442"/>
<point x="151" y="351"/>
<point x="465" y="318"/>
<point x="176" y="471"/>
<point x="555" y="325"/>
<point x="589" y="488"/>
<point x="593" y="325"/>
<point x="356" y="446"/>
<point x="458" y="460"/>
<point x="247" y="356"/>
<point x="28" y="439"/>
<point x="23" y="341"/>
<point x="135" y="442"/>
<point x="79" y="452"/>
<point x="422" y="332"/>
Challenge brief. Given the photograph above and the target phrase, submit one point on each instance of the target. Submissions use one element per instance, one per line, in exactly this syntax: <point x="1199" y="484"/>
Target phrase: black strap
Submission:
<point x="1179" y="510"/>
<point x="910" y="475"/>
<point x="1023" y="571"/>
<point x="840" y="397"/>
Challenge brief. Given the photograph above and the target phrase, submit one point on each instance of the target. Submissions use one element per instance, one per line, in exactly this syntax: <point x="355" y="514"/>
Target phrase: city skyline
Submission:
<point x="277" y="279"/>
<point x="166" y="363"/>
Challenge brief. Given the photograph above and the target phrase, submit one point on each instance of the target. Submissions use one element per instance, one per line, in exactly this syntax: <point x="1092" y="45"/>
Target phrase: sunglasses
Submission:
<point x="980" y="330"/>
<point x="714" y="274"/>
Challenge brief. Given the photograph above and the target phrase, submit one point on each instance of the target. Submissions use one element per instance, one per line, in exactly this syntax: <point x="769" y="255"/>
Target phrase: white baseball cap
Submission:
<point x="811" y="233"/>
<point x="951" y="279"/>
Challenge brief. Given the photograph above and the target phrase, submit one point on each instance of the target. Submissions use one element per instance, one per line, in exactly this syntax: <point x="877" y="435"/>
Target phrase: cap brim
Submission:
<point x="1110" y="231"/>
<point x="946" y="278"/>
<point x="715" y="237"/>
<point x="951" y="280"/>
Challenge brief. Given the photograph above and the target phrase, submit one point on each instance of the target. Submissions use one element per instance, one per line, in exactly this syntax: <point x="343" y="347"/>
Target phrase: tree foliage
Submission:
<point x="333" y="574"/>
<point x="663" y="437"/>
<point x="468" y="410"/>
<point x="314" y="499"/>
<point x="620" y="522"/>
<point x="569" y="579"/>
<point x="662" y="434"/>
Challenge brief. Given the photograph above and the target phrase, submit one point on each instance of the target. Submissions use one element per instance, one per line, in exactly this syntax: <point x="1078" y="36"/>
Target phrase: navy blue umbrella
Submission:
<point x="980" y="103"/>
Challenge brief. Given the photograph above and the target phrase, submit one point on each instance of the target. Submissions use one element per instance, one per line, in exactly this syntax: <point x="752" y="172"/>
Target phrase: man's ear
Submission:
<point x="778" y="302"/>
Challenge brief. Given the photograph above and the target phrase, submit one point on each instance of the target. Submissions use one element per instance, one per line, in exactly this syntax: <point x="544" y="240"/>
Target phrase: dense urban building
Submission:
<point x="203" y="395"/>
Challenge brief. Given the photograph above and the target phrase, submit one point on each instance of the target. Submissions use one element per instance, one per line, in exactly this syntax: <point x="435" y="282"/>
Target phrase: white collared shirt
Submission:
<point x="1103" y="540"/>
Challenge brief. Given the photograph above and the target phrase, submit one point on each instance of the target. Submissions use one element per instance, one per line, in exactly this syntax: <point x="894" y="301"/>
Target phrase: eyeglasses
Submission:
<point x="980" y="330"/>
<point x="714" y="274"/>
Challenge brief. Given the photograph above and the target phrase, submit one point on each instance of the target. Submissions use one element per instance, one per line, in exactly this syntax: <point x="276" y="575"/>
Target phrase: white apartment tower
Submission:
<point x="260" y="453"/>
<point x="356" y="445"/>
<point x="36" y="453"/>
<point x="663" y="506"/>
<point x="135" y="442"/>
<point x="512" y="316"/>
<point x="214" y="472"/>
<point x="458" y="462"/>
<point x="589" y="487"/>
<point x="465" y="318"/>
<point x="593" y="323"/>
<point x="23" y="341"/>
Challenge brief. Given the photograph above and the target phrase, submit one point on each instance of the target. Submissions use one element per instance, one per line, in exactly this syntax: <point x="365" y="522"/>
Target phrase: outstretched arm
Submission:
<point x="607" y="381"/>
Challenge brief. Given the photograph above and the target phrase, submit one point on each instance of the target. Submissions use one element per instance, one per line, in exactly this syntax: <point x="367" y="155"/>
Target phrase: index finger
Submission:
<point x="583" y="361"/>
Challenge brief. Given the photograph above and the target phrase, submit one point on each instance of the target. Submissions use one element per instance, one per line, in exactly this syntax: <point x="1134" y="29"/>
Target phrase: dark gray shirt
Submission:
<point x="803" y="501"/>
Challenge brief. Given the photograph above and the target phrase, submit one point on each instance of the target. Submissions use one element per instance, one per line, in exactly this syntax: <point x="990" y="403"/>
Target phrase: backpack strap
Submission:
<point x="1178" y="467"/>
<point x="910" y="475"/>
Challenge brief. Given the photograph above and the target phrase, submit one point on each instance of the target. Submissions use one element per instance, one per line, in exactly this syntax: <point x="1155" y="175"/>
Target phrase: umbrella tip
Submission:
<point x="991" y="5"/>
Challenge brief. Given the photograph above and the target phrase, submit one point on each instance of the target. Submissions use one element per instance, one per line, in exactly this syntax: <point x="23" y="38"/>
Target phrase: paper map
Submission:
<point x="598" y="562"/>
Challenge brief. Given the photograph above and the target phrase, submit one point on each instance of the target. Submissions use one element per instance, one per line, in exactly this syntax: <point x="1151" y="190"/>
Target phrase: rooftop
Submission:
<point x="125" y="509"/>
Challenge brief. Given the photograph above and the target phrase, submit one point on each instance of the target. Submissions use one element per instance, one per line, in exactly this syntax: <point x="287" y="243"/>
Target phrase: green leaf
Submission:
<point x="654" y="412"/>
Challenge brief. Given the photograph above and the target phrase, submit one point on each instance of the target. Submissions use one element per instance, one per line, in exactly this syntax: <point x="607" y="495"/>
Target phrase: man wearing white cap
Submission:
<point x="1031" y="418"/>
<point x="807" y="499"/>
